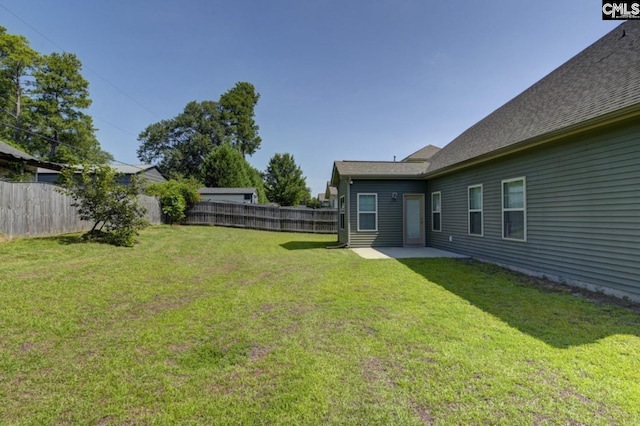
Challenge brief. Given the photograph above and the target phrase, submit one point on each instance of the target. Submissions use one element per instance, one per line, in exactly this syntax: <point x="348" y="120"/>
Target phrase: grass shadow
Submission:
<point x="305" y="245"/>
<point x="556" y="314"/>
<point x="67" y="239"/>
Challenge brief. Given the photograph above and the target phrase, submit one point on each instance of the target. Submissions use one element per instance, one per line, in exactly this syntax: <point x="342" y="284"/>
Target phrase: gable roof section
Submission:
<point x="599" y="83"/>
<point x="423" y="153"/>
<point x="11" y="153"/>
<point x="377" y="170"/>
<point x="133" y="169"/>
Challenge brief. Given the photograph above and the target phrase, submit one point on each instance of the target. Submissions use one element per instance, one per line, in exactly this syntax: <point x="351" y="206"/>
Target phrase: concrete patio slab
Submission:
<point x="404" y="253"/>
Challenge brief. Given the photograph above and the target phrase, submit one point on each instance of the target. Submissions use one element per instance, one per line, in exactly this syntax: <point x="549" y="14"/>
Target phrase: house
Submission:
<point x="548" y="184"/>
<point x="16" y="163"/>
<point x="148" y="172"/>
<point x="241" y="195"/>
<point x="329" y="198"/>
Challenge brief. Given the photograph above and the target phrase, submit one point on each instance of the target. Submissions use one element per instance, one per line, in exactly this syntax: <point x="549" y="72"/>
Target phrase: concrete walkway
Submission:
<point x="403" y="252"/>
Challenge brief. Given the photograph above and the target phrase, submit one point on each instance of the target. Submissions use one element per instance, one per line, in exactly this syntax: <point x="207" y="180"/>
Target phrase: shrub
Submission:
<point x="112" y="207"/>
<point x="176" y="196"/>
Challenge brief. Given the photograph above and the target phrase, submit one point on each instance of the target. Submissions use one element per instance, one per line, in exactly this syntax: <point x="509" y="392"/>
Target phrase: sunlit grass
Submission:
<point x="209" y="325"/>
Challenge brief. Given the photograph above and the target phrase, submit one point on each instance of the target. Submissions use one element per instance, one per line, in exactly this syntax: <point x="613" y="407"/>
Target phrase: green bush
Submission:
<point x="176" y="196"/>
<point x="112" y="207"/>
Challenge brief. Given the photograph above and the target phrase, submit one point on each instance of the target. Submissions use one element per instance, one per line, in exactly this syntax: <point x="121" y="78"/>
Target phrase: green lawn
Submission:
<point x="207" y="325"/>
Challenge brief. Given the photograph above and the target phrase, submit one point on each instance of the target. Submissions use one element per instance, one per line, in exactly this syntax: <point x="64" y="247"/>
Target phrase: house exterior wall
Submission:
<point x="582" y="210"/>
<point x="48" y="177"/>
<point x="343" y="233"/>
<point x="389" y="231"/>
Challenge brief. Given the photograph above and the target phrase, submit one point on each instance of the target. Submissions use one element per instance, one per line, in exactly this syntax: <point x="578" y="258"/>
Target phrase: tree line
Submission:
<point x="43" y="103"/>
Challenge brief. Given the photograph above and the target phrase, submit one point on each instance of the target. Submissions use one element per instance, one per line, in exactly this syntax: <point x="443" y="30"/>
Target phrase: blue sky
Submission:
<point x="339" y="80"/>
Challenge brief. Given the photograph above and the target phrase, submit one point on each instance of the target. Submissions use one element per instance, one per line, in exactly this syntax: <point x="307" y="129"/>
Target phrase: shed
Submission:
<point x="240" y="195"/>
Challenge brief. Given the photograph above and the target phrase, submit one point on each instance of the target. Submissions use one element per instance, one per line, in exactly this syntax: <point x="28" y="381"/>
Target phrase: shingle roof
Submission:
<point x="126" y="169"/>
<point x="379" y="169"/>
<point x="423" y="153"/>
<point x="598" y="82"/>
<point x="10" y="152"/>
<point x="226" y="190"/>
<point x="132" y="169"/>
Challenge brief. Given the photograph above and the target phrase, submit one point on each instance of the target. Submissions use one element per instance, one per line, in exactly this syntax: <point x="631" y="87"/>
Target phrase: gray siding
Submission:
<point x="583" y="211"/>
<point x="389" y="233"/>
<point x="343" y="237"/>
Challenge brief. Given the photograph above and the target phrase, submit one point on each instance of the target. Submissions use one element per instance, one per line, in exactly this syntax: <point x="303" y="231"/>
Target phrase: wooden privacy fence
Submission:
<point x="259" y="216"/>
<point x="37" y="209"/>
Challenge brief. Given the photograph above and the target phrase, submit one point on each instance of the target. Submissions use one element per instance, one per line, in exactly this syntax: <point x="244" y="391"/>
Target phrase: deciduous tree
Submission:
<point x="180" y="145"/>
<point x="225" y="167"/>
<point x="284" y="181"/>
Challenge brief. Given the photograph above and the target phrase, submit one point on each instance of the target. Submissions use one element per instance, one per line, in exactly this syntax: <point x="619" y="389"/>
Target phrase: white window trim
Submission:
<point x="523" y="209"/>
<point x="342" y="213"/>
<point x="436" y="211"/>
<point x="374" y="212"/>
<point x="480" y="210"/>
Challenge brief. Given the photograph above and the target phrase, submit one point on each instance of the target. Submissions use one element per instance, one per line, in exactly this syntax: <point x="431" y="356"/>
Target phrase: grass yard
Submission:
<point x="207" y="325"/>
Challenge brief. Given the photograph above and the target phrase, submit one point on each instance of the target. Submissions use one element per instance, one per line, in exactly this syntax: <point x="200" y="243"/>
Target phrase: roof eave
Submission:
<point x="387" y="177"/>
<point x="621" y="115"/>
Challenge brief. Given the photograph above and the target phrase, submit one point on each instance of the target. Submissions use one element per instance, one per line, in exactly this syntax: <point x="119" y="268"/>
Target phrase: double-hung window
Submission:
<point x="367" y="212"/>
<point x="436" y="211"/>
<point x="342" y="212"/>
<point x="475" y="210"/>
<point x="514" y="209"/>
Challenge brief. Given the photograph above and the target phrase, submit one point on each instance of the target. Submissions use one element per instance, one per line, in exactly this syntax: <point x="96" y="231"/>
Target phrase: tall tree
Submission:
<point x="17" y="61"/>
<point x="59" y="96"/>
<point x="225" y="167"/>
<point x="284" y="182"/>
<point x="180" y="145"/>
<point x="237" y="108"/>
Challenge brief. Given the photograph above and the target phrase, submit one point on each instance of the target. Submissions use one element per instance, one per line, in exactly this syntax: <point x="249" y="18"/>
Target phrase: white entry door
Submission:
<point x="414" y="220"/>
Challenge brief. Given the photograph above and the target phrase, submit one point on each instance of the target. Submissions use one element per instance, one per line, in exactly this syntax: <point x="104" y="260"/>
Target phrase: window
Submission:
<point x="342" y="212"/>
<point x="367" y="212"/>
<point x="514" y="214"/>
<point x="436" y="210"/>
<point x="475" y="210"/>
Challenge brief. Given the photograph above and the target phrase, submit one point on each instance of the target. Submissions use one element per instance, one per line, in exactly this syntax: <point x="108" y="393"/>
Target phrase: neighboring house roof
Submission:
<point x="330" y="191"/>
<point x="423" y="154"/>
<point x="132" y="169"/>
<point x="212" y="191"/>
<point x="126" y="169"/>
<point x="377" y="170"/>
<point x="599" y="84"/>
<point x="9" y="152"/>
